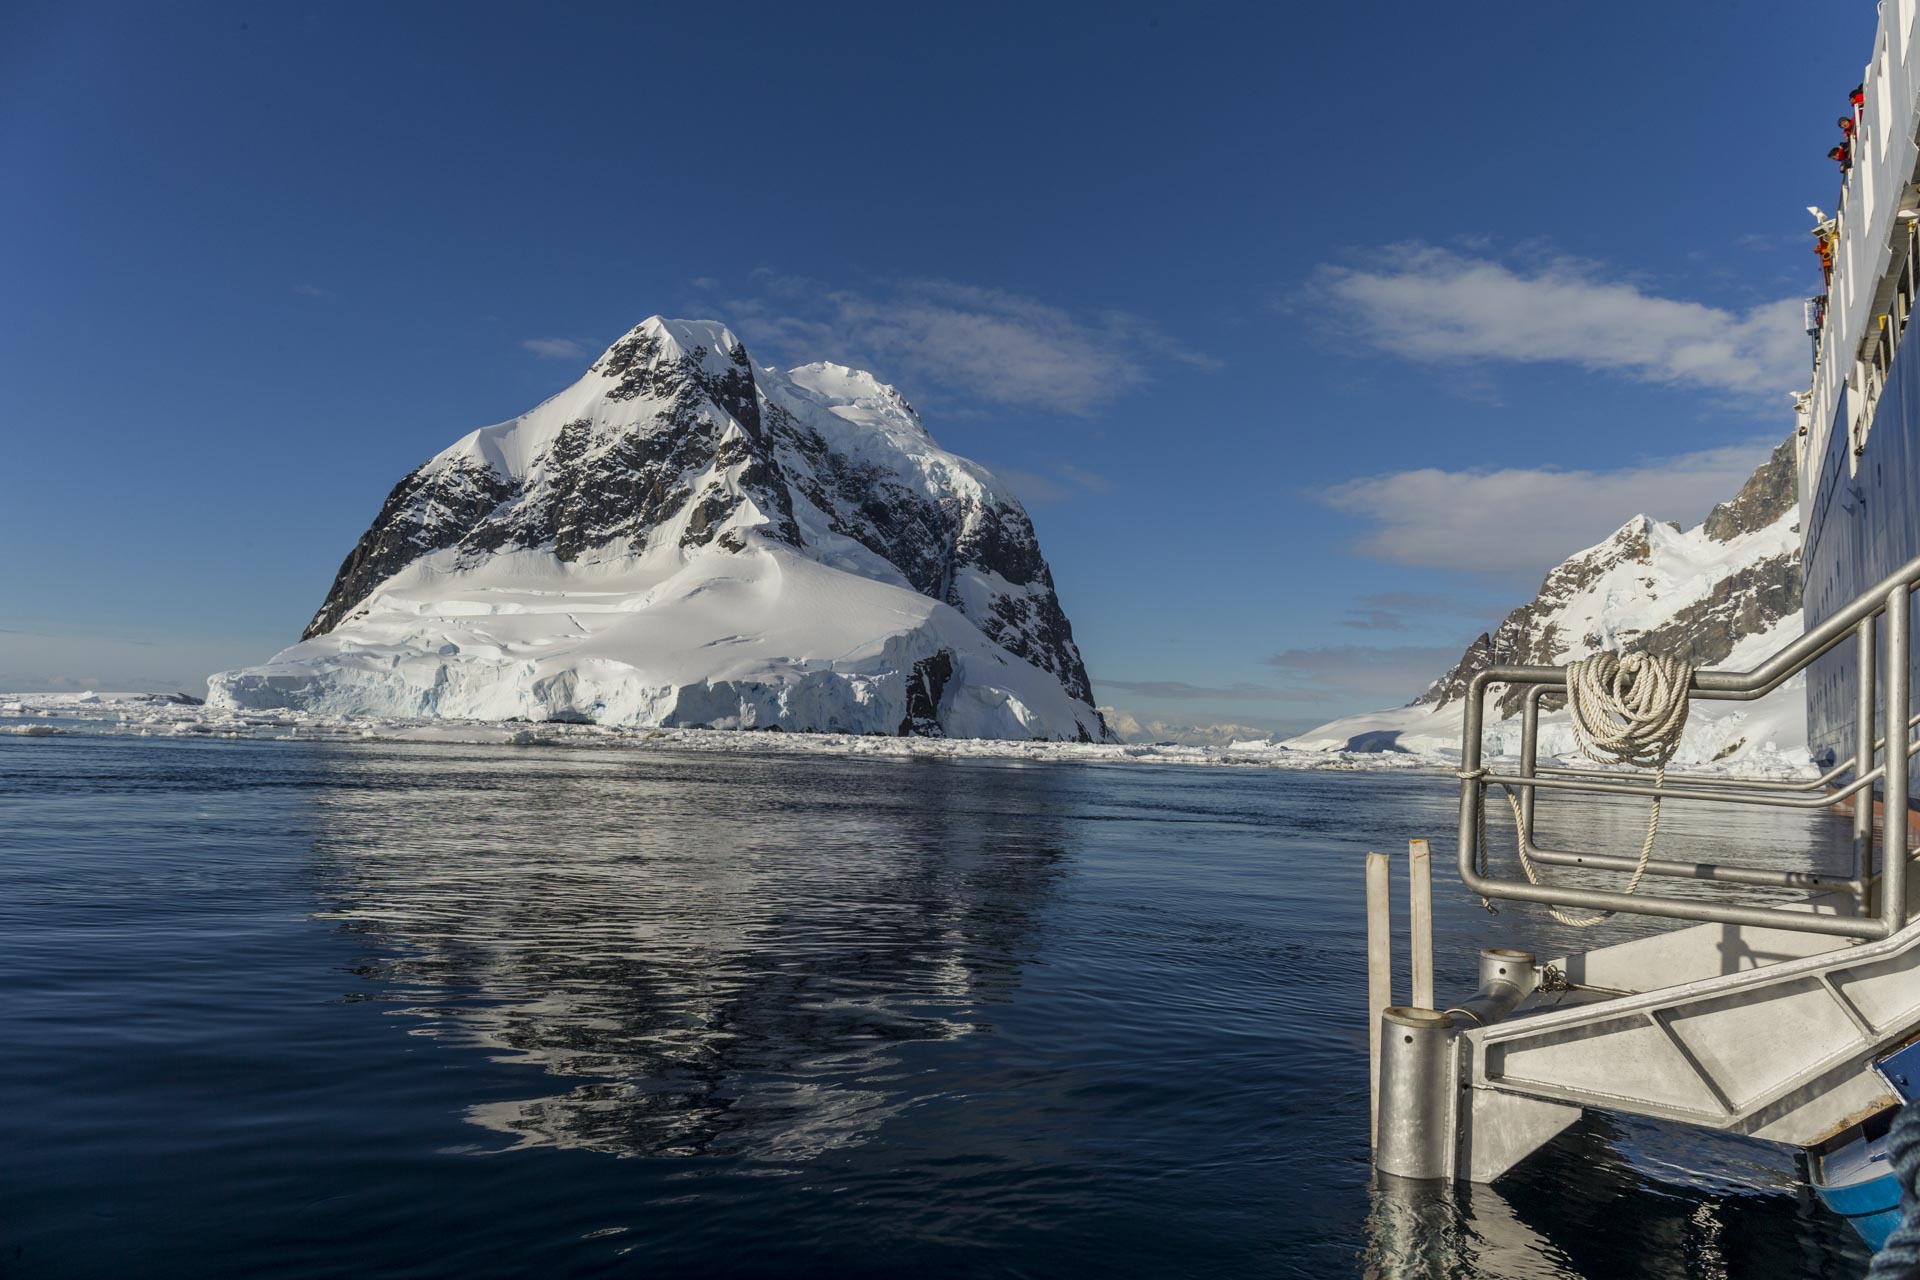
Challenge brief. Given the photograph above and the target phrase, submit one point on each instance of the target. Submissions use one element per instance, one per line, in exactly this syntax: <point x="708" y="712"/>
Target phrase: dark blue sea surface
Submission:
<point x="322" y="1009"/>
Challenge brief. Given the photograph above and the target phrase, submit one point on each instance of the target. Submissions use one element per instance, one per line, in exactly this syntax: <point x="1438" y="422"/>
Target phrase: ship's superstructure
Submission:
<point x="1859" y="421"/>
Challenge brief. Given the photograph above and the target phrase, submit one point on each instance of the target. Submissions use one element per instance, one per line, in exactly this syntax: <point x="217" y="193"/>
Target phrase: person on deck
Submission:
<point x="1843" y="154"/>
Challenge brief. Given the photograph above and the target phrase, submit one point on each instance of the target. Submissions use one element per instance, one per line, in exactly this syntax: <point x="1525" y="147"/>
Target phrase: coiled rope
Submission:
<point x="1625" y="710"/>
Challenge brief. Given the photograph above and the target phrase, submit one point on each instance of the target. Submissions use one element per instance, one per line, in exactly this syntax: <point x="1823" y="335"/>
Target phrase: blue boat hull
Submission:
<point x="1862" y="1189"/>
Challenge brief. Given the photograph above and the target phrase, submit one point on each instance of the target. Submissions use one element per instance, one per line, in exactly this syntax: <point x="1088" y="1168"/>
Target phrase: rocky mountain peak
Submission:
<point x="1769" y="493"/>
<point x="1653" y="586"/>
<point x="674" y="448"/>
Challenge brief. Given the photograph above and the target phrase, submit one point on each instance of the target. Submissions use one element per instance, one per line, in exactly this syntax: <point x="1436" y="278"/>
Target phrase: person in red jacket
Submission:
<point x="1843" y="155"/>
<point x="1847" y="127"/>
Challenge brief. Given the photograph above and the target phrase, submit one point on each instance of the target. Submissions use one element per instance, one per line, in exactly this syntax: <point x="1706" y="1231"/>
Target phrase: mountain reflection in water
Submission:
<point x="697" y="987"/>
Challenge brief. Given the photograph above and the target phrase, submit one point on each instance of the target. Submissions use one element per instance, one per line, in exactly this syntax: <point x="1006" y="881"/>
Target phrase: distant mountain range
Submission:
<point x="683" y="537"/>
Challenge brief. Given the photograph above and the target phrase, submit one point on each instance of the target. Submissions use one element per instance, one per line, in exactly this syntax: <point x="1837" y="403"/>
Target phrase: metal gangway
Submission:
<point x="1760" y="1020"/>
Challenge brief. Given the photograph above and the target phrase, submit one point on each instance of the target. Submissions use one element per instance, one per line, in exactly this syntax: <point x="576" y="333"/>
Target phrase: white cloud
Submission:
<point x="555" y="348"/>
<point x="1529" y="519"/>
<point x="1432" y="304"/>
<point x="312" y="291"/>
<point x="984" y="345"/>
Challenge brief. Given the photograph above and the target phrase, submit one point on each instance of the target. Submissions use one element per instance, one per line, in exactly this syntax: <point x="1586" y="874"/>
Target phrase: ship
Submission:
<point x="1857" y="432"/>
<point x="1782" y="1004"/>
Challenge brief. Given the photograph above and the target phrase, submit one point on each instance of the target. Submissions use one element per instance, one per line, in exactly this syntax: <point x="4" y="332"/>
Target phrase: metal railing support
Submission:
<point x="1473" y="780"/>
<point x="1865" y="743"/>
<point x="1530" y="750"/>
<point x="1519" y="781"/>
<point x="1719" y="872"/>
<point x="1893" y="873"/>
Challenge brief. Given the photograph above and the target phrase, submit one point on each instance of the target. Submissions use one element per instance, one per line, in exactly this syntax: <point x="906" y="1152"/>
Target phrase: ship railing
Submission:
<point x="1878" y="619"/>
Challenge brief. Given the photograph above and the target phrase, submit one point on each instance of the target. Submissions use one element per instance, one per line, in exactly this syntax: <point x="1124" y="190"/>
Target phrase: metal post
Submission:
<point x="1471" y="794"/>
<point x="1416" y="1089"/>
<point x="1420" y="909"/>
<point x="1865" y="704"/>
<point x="1379" y="972"/>
<point x="1530" y="755"/>
<point x="1893" y="863"/>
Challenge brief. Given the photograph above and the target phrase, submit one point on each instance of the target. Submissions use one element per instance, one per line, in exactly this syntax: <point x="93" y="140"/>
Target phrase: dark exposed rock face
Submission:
<point x="719" y="460"/>
<point x="924" y="689"/>
<point x="426" y="512"/>
<point x="1768" y="494"/>
<point x="1702" y="632"/>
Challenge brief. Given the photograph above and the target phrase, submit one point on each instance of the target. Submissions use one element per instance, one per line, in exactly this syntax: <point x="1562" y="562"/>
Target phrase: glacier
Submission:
<point x="683" y="538"/>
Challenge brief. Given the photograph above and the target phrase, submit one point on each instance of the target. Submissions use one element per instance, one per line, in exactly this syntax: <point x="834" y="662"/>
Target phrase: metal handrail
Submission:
<point x="1889" y="597"/>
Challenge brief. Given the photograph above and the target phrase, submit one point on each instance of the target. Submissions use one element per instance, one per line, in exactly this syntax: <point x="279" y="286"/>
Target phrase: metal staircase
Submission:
<point x="1759" y="1020"/>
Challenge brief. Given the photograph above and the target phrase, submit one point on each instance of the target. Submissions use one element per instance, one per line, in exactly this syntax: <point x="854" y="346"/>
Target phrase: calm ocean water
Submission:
<point x="306" y="1009"/>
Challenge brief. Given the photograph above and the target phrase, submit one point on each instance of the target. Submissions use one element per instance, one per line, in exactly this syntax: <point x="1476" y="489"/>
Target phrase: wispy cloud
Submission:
<point x="704" y="283"/>
<point x="555" y="348"/>
<point x="1433" y="304"/>
<point x="1472" y="520"/>
<point x="981" y="345"/>
<point x="1359" y="671"/>
<point x="1092" y="481"/>
<point x="1060" y="483"/>
<point x="1193" y="692"/>
<point x="1408" y="610"/>
<point x="312" y="291"/>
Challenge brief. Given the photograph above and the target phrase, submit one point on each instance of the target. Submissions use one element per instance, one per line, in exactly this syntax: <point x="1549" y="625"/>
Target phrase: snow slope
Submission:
<point x="682" y="538"/>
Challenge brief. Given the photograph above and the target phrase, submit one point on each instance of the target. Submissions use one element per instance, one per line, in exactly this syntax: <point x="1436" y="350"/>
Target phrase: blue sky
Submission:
<point x="1311" y="339"/>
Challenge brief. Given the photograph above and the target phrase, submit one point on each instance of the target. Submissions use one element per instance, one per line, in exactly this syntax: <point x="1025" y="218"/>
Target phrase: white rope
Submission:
<point x="1626" y="710"/>
<point x="1631" y="710"/>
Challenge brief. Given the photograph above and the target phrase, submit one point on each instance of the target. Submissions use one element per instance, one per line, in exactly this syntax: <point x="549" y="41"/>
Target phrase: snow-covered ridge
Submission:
<point x="1725" y="593"/>
<point x="682" y="538"/>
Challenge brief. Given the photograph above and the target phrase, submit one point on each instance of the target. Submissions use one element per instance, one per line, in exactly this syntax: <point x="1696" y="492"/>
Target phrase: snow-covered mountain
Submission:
<point x="682" y="537"/>
<point x="1725" y="593"/>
